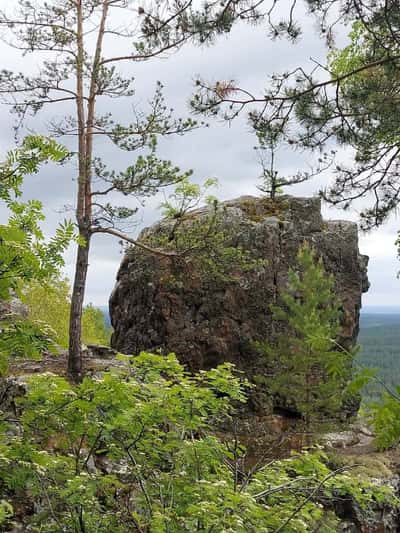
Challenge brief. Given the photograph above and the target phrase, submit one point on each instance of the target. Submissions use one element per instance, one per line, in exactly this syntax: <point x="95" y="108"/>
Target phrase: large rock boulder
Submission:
<point x="209" y="321"/>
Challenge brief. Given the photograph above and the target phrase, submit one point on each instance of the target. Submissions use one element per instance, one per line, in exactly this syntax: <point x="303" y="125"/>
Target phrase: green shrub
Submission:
<point x="136" y="450"/>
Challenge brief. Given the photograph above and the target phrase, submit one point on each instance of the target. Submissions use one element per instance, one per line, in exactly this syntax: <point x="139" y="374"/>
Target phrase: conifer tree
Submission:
<point x="305" y="364"/>
<point x="69" y="39"/>
<point x="350" y="100"/>
<point x="270" y="139"/>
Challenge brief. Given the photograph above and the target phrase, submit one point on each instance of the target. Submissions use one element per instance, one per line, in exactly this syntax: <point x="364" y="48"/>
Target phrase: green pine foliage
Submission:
<point x="307" y="364"/>
<point x="364" y="115"/>
<point x="270" y="139"/>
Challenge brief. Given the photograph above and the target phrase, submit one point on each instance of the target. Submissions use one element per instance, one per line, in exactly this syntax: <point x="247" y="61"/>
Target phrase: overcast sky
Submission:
<point x="248" y="56"/>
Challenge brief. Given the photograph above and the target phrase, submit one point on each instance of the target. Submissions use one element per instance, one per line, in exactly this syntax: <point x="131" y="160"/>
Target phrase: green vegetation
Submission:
<point x="203" y="240"/>
<point x="94" y="327"/>
<point x="306" y="363"/>
<point x="139" y="448"/>
<point x="24" y="254"/>
<point x="380" y="341"/>
<point x="135" y="451"/>
<point x="50" y="303"/>
<point x="369" y="98"/>
<point x="386" y="419"/>
<point x="271" y="137"/>
<point x="349" y="100"/>
<point x="69" y="70"/>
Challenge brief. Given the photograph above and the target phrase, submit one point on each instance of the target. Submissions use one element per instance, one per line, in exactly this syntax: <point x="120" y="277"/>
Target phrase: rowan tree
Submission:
<point x="25" y="256"/>
<point x="135" y="450"/>
<point x="50" y="301"/>
<point x="69" y="39"/>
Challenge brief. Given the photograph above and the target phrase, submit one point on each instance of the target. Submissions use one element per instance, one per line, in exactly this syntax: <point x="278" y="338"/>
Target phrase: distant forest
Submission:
<point x="379" y="340"/>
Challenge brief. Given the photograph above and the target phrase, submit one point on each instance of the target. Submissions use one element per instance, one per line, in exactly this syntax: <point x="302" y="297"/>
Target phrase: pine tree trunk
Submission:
<point x="84" y="204"/>
<point x="77" y="298"/>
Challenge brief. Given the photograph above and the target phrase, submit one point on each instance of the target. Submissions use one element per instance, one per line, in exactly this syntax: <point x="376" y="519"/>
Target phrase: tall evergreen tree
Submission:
<point x="72" y="37"/>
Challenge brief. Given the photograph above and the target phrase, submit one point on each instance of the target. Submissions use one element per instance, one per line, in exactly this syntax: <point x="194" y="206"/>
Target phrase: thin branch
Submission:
<point x="127" y="238"/>
<point x="313" y="493"/>
<point x="143" y="57"/>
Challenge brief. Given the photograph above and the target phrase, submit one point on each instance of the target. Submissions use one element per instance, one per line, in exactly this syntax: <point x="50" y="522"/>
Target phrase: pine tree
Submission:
<point x="79" y="69"/>
<point x="350" y="100"/>
<point x="270" y="138"/>
<point x="306" y="364"/>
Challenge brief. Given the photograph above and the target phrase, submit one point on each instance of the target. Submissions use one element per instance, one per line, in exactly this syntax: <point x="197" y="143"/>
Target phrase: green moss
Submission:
<point x="261" y="208"/>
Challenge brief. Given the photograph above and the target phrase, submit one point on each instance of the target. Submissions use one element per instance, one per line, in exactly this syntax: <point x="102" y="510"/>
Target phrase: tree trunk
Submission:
<point x="77" y="298"/>
<point x="82" y="217"/>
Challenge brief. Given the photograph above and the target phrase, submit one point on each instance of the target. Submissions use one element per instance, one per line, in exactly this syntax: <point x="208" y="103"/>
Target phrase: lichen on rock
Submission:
<point x="210" y="321"/>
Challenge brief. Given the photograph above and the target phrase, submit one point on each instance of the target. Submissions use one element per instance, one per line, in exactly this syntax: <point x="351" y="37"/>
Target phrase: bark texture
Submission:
<point x="75" y="323"/>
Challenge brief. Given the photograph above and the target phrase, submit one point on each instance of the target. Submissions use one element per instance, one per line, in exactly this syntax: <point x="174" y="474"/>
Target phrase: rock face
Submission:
<point x="12" y="308"/>
<point x="209" y="321"/>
